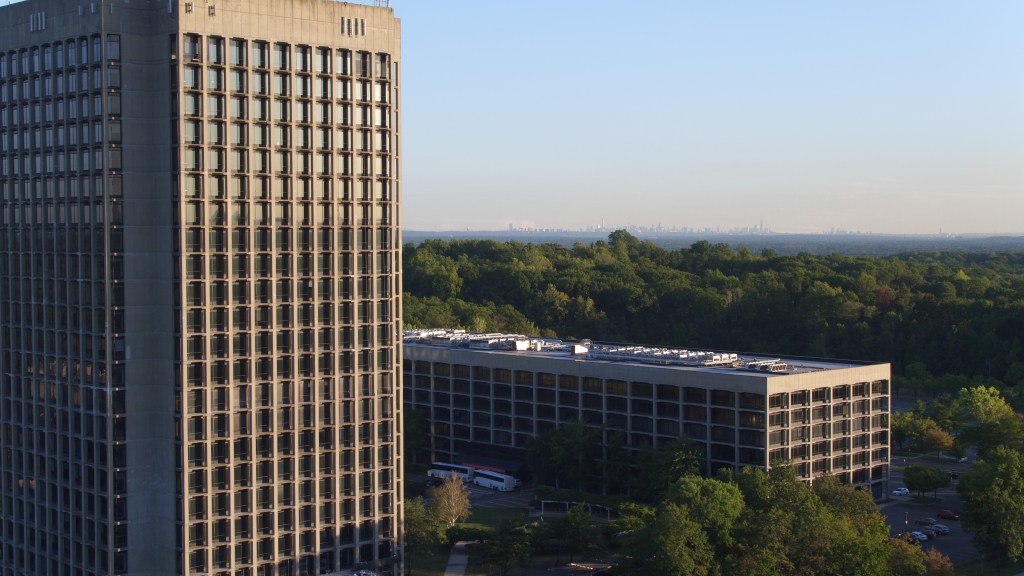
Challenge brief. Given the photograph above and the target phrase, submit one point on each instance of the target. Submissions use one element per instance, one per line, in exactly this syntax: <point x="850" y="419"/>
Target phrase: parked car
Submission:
<point x="931" y="534"/>
<point x="901" y="492"/>
<point x="948" y="515"/>
<point x="919" y="536"/>
<point x="941" y="529"/>
<point x="925" y="521"/>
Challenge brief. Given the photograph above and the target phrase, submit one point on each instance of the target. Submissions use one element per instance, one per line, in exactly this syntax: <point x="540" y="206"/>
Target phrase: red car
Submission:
<point x="948" y="515"/>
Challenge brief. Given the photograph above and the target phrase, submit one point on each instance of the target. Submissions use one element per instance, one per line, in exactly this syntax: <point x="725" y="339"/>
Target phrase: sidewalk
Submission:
<point x="457" y="561"/>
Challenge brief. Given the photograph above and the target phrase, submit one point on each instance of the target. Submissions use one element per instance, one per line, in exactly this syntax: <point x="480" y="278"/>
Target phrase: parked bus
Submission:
<point x="496" y="480"/>
<point x="445" y="470"/>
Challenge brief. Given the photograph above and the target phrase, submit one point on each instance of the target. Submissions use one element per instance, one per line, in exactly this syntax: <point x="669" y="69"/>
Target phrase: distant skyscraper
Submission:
<point x="199" y="289"/>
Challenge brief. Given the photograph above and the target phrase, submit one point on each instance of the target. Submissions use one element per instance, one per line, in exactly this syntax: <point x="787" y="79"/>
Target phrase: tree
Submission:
<point x="667" y="541"/>
<point x="449" y="501"/>
<point x="937" y="440"/>
<point x="428" y="273"/>
<point x="937" y="564"/>
<point x="713" y="504"/>
<point x="679" y="546"/>
<point x="509" y="546"/>
<point x="617" y="469"/>
<point x="659" y="468"/>
<point x="911" y="428"/>
<point x="923" y="479"/>
<point x="905" y="557"/>
<point x="787" y="527"/>
<point x="992" y="493"/>
<point x="538" y="458"/>
<point x="416" y="435"/>
<point x="634" y="517"/>
<point x="565" y="455"/>
<point x="576" y="529"/>
<point x="574" y="451"/>
<point x="988" y="420"/>
<point x="856" y="505"/>
<point x="421" y="529"/>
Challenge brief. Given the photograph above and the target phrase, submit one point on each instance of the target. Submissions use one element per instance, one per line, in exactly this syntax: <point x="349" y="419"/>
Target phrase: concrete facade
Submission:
<point x="493" y="393"/>
<point x="199" y="287"/>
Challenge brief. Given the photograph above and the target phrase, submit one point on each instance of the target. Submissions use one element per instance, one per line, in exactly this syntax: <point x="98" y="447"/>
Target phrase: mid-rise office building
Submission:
<point x="492" y="393"/>
<point x="199" y="288"/>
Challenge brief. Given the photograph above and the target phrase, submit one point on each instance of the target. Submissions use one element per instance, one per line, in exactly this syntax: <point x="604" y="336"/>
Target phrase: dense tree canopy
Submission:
<point x="923" y="479"/>
<point x="507" y="547"/>
<point x="993" y="504"/>
<point x="987" y="420"/>
<point x="978" y="417"/>
<point x="765" y="523"/>
<point x="422" y="530"/>
<point x="949" y="320"/>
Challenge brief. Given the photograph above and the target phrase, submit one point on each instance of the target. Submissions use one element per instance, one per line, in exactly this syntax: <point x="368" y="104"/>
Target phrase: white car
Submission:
<point x="919" y="536"/>
<point x="901" y="492"/>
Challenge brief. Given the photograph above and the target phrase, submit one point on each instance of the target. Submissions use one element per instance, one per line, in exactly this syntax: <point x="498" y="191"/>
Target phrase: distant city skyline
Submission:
<point x="754" y="229"/>
<point x="872" y="116"/>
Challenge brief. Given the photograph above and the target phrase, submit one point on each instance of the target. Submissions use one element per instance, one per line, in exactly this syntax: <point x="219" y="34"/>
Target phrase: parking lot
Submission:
<point x="488" y="498"/>
<point x="901" y="512"/>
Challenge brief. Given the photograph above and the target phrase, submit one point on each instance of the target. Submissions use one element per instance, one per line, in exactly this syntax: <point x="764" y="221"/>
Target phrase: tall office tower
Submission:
<point x="199" y="289"/>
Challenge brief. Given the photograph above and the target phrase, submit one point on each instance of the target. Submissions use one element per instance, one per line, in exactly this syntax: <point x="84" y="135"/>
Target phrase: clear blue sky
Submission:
<point x="878" y="116"/>
<point x="870" y="115"/>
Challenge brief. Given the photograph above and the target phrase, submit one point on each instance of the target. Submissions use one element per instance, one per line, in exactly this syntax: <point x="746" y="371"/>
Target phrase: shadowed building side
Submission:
<point x="199" y="288"/>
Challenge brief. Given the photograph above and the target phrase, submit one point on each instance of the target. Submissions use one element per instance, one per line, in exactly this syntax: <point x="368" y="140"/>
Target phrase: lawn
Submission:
<point x="495" y="517"/>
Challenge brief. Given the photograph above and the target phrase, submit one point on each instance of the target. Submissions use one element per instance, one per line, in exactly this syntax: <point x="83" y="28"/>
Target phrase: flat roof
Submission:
<point x="586" y="350"/>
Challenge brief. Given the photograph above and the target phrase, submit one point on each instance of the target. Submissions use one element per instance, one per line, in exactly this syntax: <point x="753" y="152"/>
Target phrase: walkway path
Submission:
<point x="457" y="561"/>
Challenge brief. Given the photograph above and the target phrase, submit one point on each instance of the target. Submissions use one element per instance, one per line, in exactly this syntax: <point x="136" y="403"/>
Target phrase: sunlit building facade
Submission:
<point x="492" y="393"/>
<point x="199" y="287"/>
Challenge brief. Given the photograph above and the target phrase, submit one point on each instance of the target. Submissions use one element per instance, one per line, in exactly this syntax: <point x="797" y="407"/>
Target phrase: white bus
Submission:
<point x="496" y="480"/>
<point x="445" y="470"/>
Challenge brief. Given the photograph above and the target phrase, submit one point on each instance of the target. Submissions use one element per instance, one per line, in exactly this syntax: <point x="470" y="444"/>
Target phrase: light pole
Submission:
<point x="906" y="522"/>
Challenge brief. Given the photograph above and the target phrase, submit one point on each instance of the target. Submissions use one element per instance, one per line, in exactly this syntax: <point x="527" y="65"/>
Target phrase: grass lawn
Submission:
<point x="495" y="517"/>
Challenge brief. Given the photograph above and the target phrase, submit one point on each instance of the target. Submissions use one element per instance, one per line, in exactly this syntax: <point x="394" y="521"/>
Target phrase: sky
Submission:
<point x="806" y="116"/>
<point x="800" y="116"/>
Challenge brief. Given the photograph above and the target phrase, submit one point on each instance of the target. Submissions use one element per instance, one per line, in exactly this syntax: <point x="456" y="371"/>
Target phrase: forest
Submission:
<point x="944" y="320"/>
